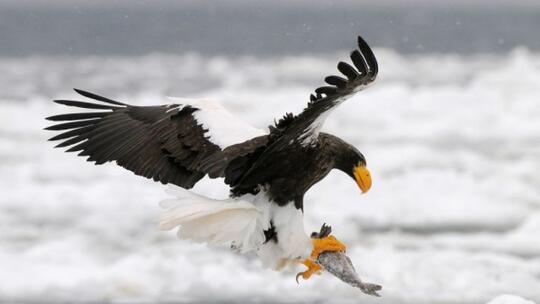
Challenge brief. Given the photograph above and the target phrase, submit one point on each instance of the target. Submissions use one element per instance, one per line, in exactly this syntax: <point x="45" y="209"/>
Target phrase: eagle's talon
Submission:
<point x="313" y="268"/>
<point x="329" y="243"/>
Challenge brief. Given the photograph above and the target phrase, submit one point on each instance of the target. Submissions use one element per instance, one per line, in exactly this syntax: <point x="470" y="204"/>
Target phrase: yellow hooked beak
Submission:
<point x="363" y="178"/>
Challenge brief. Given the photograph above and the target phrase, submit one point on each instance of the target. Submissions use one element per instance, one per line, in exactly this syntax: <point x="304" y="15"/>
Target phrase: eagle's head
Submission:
<point x="353" y="163"/>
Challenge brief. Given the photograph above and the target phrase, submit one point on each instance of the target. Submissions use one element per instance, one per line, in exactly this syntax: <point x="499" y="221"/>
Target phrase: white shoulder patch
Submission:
<point x="224" y="129"/>
<point x="311" y="133"/>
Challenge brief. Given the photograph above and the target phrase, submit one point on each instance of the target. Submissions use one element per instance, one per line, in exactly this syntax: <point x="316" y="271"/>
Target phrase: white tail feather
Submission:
<point x="217" y="222"/>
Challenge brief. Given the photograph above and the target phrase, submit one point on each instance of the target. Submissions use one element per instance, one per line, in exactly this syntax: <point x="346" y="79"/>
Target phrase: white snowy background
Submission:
<point x="452" y="141"/>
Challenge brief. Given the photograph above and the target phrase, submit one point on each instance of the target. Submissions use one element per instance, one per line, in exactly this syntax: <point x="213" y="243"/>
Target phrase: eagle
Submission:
<point x="268" y="172"/>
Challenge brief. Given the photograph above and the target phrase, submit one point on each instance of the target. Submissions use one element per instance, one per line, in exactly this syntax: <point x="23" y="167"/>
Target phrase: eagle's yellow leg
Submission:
<point x="329" y="243"/>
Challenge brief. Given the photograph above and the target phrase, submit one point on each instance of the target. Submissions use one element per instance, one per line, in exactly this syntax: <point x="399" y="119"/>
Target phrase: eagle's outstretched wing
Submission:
<point x="305" y="126"/>
<point x="167" y="143"/>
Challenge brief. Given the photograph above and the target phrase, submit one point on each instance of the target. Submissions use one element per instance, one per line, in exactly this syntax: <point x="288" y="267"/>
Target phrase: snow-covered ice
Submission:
<point x="509" y="299"/>
<point x="452" y="142"/>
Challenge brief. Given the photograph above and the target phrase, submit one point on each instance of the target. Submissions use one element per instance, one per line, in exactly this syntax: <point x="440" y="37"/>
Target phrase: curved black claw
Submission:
<point x="298" y="275"/>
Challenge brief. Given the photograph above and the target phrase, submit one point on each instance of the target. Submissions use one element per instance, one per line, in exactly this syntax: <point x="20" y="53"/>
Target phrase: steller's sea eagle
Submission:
<point x="268" y="172"/>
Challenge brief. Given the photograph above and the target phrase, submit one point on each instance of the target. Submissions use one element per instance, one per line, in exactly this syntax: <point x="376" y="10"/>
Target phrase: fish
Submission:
<point x="339" y="264"/>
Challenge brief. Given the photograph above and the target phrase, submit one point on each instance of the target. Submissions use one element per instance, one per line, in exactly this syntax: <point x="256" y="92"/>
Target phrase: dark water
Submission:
<point x="262" y="28"/>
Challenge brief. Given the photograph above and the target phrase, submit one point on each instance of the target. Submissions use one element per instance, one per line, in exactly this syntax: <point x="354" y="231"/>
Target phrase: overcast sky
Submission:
<point x="275" y="2"/>
<point x="98" y="27"/>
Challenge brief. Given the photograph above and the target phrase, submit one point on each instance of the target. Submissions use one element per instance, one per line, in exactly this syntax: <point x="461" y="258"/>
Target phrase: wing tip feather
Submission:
<point x="362" y="72"/>
<point x="98" y="97"/>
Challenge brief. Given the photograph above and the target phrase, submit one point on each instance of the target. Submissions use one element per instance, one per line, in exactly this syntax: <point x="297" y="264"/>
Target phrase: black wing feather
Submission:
<point x="359" y="62"/>
<point x="70" y="142"/>
<point x="97" y="97"/>
<point x="328" y="90"/>
<point x="85" y="105"/>
<point x="347" y="70"/>
<point x="72" y="125"/>
<point x="339" y="82"/>
<point x="71" y="133"/>
<point x="76" y="116"/>
<point x="369" y="57"/>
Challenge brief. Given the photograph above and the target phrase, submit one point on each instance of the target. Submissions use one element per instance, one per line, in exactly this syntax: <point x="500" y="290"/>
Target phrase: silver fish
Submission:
<point x="340" y="265"/>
